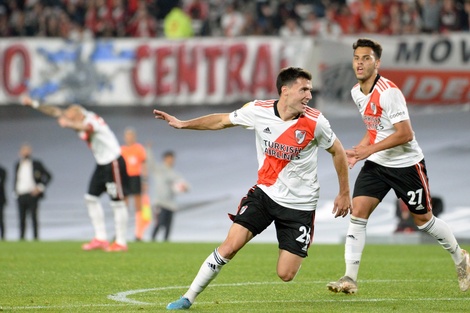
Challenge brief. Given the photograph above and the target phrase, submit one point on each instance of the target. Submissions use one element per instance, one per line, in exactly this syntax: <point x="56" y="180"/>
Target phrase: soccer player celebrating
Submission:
<point x="394" y="160"/>
<point x="288" y="135"/>
<point x="109" y="176"/>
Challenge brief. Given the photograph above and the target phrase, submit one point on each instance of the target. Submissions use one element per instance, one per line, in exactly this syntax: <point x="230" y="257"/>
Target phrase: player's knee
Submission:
<point x="286" y="276"/>
<point x="90" y="199"/>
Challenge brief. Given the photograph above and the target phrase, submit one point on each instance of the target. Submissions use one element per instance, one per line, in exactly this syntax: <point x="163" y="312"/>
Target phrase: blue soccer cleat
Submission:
<point x="180" y="304"/>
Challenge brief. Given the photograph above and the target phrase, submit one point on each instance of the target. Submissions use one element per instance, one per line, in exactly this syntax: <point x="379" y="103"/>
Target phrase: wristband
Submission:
<point x="35" y="104"/>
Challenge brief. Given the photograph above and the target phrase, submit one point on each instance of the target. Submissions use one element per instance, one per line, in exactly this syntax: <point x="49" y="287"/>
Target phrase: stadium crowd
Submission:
<point x="147" y="18"/>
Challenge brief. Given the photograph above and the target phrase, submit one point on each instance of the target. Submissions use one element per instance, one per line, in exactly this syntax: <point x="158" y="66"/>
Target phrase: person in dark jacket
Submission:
<point x="31" y="179"/>
<point x="3" y="200"/>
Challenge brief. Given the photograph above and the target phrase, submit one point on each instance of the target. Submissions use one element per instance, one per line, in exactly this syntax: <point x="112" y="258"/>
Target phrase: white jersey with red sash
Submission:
<point x="287" y="152"/>
<point x="384" y="106"/>
<point x="101" y="140"/>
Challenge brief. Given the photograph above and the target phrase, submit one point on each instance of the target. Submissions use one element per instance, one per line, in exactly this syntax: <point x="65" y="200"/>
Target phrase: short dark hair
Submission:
<point x="288" y="76"/>
<point x="168" y="153"/>
<point x="366" y="42"/>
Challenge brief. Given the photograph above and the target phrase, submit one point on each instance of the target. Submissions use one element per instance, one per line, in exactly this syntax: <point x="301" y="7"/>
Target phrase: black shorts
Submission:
<point x="409" y="183"/>
<point x="294" y="228"/>
<point x="135" y="185"/>
<point x="111" y="178"/>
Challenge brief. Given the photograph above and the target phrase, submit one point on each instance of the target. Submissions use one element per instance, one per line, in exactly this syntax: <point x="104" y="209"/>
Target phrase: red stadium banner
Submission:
<point x="430" y="69"/>
<point x="147" y="72"/>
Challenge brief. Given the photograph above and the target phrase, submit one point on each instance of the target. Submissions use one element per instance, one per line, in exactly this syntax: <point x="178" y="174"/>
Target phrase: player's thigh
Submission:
<point x="97" y="184"/>
<point x="253" y="211"/>
<point x="363" y="206"/>
<point x="116" y="180"/>
<point x="294" y="229"/>
<point x="370" y="188"/>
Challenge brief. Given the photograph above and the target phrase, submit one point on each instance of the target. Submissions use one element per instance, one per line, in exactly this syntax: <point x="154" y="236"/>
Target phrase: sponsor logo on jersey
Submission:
<point x="300" y="136"/>
<point x="420" y="207"/>
<point x="243" y="209"/>
<point x="397" y="114"/>
<point x="267" y="130"/>
<point x="281" y="151"/>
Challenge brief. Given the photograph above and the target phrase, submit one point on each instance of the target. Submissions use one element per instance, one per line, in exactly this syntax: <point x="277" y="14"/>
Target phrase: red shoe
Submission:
<point x="95" y="244"/>
<point x="115" y="247"/>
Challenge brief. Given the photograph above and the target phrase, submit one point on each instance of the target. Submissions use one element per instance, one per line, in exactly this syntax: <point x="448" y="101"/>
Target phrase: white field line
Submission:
<point x="123" y="300"/>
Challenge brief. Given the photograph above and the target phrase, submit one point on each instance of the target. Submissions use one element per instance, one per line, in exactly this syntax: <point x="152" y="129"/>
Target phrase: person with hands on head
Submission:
<point x="394" y="160"/>
<point x="110" y="174"/>
<point x="288" y="134"/>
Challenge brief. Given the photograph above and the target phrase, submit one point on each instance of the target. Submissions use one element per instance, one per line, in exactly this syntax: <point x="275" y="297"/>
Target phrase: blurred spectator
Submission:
<point x="104" y="26"/>
<point x="177" y="24"/>
<point x="122" y="18"/>
<point x="348" y="21"/>
<point x="79" y="33"/>
<point x="251" y="26"/>
<point x="430" y="12"/>
<point x="329" y="28"/>
<point x="232" y="21"/>
<point x="311" y="24"/>
<point x="142" y="24"/>
<point x="119" y="16"/>
<point x="403" y="19"/>
<point x="285" y="10"/>
<point x="4" y="28"/>
<point x="449" y="17"/>
<point x="17" y="25"/>
<point x="75" y="10"/>
<point x="265" y="15"/>
<point x="373" y="17"/>
<point x="33" y="18"/>
<point x="52" y="26"/>
<point x="91" y="18"/>
<point x="409" y="17"/>
<point x="290" y="29"/>
<point x="198" y="11"/>
<point x="466" y="16"/>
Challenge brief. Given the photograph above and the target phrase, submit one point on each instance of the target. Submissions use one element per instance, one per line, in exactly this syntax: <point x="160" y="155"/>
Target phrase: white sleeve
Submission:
<point x="323" y="133"/>
<point x="394" y="104"/>
<point x="245" y="116"/>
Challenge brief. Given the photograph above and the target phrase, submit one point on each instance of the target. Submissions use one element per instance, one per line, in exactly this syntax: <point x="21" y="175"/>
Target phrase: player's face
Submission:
<point x="299" y="94"/>
<point x="129" y="137"/>
<point x="365" y="63"/>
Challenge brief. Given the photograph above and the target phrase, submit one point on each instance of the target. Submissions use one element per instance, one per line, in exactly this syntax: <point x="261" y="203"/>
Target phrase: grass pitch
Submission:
<point x="59" y="277"/>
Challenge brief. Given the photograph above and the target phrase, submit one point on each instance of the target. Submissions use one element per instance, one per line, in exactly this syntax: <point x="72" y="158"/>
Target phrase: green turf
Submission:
<point x="59" y="277"/>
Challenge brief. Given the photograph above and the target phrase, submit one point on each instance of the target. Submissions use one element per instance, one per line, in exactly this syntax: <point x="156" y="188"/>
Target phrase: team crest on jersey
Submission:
<point x="373" y="106"/>
<point x="300" y="136"/>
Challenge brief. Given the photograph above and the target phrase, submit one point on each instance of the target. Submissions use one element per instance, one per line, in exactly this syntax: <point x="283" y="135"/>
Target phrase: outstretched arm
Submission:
<point x="207" y="122"/>
<point x="342" y="204"/>
<point x="46" y="109"/>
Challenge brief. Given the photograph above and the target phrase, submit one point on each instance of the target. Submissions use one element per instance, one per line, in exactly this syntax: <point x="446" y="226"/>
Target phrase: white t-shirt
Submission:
<point x="101" y="140"/>
<point x="287" y="152"/>
<point x="380" y="109"/>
